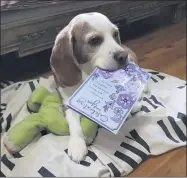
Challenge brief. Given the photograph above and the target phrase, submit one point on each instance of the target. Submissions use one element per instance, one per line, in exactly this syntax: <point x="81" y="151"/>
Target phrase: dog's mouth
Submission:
<point x="112" y="69"/>
<point x="105" y="69"/>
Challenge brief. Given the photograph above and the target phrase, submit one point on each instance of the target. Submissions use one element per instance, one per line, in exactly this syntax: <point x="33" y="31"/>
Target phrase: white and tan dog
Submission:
<point x="88" y="41"/>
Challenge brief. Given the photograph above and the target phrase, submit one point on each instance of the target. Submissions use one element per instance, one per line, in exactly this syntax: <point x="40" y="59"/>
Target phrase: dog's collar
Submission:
<point x="63" y="107"/>
<point x="59" y="93"/>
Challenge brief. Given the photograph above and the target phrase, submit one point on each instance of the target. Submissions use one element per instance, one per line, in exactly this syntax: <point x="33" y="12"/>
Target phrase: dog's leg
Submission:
<point x="138" y="105"/>
<point x="77" y="148"/>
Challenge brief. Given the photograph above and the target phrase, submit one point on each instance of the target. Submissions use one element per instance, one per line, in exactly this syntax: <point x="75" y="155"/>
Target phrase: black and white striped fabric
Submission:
<point x="4" y="84"/>
<point x="160" y="126"/>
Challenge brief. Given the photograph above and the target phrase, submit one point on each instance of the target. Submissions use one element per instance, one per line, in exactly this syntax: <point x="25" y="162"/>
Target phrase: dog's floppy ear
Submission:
<point x="132" y="55"/>
<point x="63" y="62"/>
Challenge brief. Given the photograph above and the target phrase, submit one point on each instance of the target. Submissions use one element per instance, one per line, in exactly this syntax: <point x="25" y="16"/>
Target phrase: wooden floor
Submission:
<point x="164" y="50"/>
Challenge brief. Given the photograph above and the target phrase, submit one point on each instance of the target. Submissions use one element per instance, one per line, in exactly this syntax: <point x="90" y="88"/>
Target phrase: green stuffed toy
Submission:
<point x="47" y="115"/>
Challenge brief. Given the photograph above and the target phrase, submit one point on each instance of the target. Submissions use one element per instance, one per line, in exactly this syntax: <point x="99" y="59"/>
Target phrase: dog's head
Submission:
<point x="89" y="38"/>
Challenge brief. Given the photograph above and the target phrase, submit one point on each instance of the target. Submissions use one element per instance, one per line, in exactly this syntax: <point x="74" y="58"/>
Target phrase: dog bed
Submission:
<point x="160" y="126"/>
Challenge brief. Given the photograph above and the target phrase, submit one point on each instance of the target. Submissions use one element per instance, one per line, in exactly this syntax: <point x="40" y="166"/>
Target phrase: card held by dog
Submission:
<point x="107" y="97"/>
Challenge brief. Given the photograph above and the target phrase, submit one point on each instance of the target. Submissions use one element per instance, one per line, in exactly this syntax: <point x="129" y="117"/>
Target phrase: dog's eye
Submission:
<point x="115" y="34"/>
<point x="95" y="40"/>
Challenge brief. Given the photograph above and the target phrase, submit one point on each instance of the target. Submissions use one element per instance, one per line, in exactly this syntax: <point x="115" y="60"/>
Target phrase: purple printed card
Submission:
<point x="108" y="97"/>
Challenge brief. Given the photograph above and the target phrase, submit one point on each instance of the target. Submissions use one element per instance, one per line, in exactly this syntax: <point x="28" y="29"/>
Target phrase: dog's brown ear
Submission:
<point x="132" y="55"/>
<point x="63" y="62"/>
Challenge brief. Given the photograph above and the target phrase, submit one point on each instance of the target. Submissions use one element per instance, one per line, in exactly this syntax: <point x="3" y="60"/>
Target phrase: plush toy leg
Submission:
<point x="35" y="100"/>
<point x="56" y="123"/>
<point x="89" y="129"/>
<point x="23" y="133"/>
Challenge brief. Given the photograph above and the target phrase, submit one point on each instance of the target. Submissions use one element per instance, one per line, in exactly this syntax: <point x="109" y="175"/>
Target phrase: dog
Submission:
<point x="90" y="40"/>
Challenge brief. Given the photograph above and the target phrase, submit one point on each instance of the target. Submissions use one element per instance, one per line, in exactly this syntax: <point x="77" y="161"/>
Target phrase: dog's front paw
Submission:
<point x="77" y="149"/>
<point x="136" y="108"/>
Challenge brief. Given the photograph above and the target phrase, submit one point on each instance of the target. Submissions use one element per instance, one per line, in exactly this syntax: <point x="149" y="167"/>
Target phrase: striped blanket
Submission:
<point x="160" y="126"/>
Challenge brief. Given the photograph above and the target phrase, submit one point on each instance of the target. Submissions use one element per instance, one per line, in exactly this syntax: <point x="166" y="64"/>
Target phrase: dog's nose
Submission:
<point x="121" y="57"/>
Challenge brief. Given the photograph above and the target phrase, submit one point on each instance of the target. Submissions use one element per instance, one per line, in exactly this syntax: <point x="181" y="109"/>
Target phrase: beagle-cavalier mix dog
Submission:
<point x="90" y="40"/>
